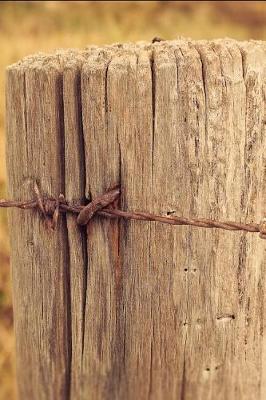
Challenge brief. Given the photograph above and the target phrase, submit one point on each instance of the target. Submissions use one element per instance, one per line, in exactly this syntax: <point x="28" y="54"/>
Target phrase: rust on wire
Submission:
<point x="96" y="205"/>
<point x="50" y="208"/>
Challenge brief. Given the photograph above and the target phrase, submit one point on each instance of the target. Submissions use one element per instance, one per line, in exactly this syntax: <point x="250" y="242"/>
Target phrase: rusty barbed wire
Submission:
<point x="105" y="206"/>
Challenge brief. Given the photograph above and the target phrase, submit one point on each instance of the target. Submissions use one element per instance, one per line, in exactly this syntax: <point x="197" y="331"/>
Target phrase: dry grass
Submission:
<point x="30" y="27"/>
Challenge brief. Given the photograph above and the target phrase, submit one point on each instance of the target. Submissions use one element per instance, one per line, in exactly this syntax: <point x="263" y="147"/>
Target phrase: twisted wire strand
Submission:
<point x="106" y="206"/>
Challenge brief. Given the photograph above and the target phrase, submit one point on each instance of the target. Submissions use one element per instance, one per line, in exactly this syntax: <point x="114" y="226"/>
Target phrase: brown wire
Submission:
<point x="50" y="209"/>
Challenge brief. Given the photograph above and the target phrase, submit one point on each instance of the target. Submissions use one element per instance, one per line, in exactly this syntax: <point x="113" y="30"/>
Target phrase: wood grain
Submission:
<point x="102" y="173"/>
<point x="75" y="192"/>
<point x="39" y="257"/>
<point x="132" y="309"/>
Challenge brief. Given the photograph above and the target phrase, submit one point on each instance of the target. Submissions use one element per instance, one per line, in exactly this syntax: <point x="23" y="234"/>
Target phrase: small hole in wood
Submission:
<point x="170" y="212"/>
<point x="225" y="317"/>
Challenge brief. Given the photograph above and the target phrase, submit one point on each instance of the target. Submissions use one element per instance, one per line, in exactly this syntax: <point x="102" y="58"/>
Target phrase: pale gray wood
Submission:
<point x="75" y="192"/>
<point x="130" y="87"/>
<point x="142" y="310"/>
<point x="224" y="157"/>
<point x="169" y="302"/>
<point x="254" y="73"/>
<point x="100" y="369"/>
<point x="39" y="257"/>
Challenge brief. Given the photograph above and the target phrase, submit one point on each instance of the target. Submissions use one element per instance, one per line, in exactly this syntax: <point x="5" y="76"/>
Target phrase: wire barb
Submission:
<point x="97" y="204"/>
<point x="105" y="205"/>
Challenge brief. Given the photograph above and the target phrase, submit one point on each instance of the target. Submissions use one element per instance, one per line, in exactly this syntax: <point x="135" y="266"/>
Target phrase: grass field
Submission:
<point x="41" y="26"/>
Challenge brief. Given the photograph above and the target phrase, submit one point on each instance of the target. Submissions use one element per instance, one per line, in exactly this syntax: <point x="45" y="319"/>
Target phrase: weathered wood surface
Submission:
<point x="129" y="309"/>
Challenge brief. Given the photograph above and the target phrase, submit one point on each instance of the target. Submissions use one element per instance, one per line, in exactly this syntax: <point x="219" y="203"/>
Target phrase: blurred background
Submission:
<point x="28" y="27"/>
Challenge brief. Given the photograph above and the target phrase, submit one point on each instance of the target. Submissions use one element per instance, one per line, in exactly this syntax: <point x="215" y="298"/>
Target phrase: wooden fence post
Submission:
<point x="131" y="309"/>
